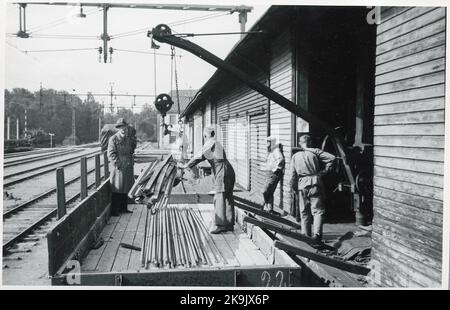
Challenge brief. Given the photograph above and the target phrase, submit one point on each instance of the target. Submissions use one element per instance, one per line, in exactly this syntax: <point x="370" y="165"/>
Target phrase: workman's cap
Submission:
<point x="209" y="130"/>
<point x="273" y="140"/>
<point x="121" y="123"/>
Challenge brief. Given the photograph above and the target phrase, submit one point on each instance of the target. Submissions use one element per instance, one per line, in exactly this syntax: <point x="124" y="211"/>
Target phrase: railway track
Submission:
<point x="17" y="162"/>
<point x="10" y="179"/>
<point x="45" y="194"/>
<point x="22" y="220"/>
<point x="30" y="220"/>
<point x="27" y="153"/>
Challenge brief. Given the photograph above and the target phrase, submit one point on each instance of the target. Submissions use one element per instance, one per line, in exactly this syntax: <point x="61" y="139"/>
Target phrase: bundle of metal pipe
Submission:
<point x="155" y="182"/>
<point x="176" y="236"/>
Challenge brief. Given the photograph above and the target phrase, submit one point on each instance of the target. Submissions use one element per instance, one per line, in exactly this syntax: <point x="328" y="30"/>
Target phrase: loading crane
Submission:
<point x="163" y="34"/>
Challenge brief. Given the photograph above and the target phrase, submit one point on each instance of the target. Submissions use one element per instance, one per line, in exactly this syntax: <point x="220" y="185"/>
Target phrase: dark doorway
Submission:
<point x="335" y="81"/>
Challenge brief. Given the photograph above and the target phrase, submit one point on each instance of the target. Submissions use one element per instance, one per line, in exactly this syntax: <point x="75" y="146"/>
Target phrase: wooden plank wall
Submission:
<point x="281" y="72"/>
<point x="409" y="147"/>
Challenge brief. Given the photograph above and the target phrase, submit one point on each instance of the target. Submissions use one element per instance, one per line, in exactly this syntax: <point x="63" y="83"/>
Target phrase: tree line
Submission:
<point x="50" y="111"/>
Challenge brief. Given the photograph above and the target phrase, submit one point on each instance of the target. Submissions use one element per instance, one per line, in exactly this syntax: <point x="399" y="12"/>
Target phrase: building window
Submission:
<point x="172" y="138"/>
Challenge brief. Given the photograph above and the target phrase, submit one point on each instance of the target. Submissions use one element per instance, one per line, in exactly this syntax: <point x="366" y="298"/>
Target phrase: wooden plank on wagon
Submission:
<point x="135" y="257"/>
<point x="109" y="254"/>
<point x="123" y="254"/>
<point x="92" y="259"/>
<point x="251" y="249"/>
<point x="205" y="211"/>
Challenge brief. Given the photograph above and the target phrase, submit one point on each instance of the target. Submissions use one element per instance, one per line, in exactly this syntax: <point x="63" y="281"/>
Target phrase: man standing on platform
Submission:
<point x="306" y="175"/>
<point x="224" y="178"/>
<point x="274" y="167"/>
<point x="120" y="153"/>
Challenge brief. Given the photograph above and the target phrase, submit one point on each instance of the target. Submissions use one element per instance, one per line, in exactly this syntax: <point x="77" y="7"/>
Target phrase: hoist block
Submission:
<point x="163" y="103"/>
<point x="161" y="30"/>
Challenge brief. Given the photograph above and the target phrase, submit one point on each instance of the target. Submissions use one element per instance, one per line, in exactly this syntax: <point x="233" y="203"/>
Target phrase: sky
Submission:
<point x="131" y="73"/>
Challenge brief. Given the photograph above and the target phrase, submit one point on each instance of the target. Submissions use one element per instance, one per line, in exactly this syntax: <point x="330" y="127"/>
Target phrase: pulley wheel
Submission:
<point x="161" y="30"/>
<point x="163" y="103"/>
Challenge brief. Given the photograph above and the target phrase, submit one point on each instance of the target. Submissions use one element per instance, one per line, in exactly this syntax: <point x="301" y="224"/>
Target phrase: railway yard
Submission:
<point x="30" y="204"/>
<point x="306" y="149"/>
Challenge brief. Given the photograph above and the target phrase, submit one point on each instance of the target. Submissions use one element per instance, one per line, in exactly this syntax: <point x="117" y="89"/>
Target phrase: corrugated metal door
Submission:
<point x="258" y="150"/>
<point x="236" y="148"/>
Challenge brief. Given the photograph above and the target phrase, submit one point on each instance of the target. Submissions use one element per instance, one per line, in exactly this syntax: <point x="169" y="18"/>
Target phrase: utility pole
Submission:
<point x="22" y="22"/>
<point x="242" y="21"/>
<point x="17" y="129"/>
<point x="26" y="122"/>
<point x="51" y="139"/>
<point x="74" y="134"/>
<point x="132" y="110"/>
<point x="73" y="127"/>
<point x="40" y="96"/>
<point x="8" y="123"/>
<point x="105" y="37"/>
<point x="100" y="122"/>
<point x="111" y="84"/>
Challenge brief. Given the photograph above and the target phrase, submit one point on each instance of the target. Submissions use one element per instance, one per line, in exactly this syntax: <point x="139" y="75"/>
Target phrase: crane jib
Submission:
<point x="162" y="33"/>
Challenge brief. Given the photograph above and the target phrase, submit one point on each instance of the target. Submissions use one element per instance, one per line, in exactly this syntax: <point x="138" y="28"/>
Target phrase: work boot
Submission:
<point x="219" y="230"/>
<point x="317" y="242"/>
<point x="114" y="213"/>
<point x="230" y="228"/>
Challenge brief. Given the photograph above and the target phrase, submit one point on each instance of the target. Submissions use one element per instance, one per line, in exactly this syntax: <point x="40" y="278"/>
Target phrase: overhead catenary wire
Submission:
<point x="172" y="24"/>
<point x="60" y="50"/>
<point x="143" y="52"/>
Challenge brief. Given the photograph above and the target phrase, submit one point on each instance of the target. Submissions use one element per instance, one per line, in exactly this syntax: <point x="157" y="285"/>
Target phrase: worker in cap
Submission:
<point x="224" y="178"/>
<point x="306" y="178"/>
<point x="274" y="166"/>
<point x="121" y="148"/>
<point x="181" y="141"/>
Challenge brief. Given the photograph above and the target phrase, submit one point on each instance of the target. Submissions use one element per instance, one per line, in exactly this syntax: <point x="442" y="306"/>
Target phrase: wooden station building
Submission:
<point x="382" y="85"/>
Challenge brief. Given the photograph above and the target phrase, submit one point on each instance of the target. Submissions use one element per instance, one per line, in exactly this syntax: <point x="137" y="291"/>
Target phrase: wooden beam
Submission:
<point x="106" y="164"/>
<point x="322" y="258"/>
<point x="60" y="192"/>
<point x="97" y="171"/>
<point x="283" y="231"/>
<point x="268" y="215"/>
<point x="83" y="177"/>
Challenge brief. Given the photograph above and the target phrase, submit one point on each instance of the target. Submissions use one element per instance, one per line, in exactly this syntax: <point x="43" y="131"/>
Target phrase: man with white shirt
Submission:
<point x="274" y="166"/>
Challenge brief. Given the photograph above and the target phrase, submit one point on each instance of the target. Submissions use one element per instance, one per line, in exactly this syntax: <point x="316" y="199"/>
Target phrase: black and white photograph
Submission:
<point x="241" y="144"/>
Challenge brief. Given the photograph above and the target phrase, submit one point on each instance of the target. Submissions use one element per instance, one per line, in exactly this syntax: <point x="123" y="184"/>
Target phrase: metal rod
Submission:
<point x="196" y="234"/>
<point x="144" y="243"/>
<point x="181" y="35"/>
<point x="210" y="238"/>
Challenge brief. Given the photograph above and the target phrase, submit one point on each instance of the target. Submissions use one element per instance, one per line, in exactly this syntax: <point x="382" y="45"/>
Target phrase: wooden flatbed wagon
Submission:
<point x="250" y="259"/>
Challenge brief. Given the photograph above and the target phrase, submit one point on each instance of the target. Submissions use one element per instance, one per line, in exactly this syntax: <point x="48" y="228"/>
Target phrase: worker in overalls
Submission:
<point x="120" y="153"/>
<point x="306" y="175"/>
<point x="224" y="179"/>
<point x="274" y="167"/>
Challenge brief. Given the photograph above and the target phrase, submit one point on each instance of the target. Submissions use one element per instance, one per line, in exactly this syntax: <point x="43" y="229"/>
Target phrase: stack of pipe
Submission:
<point x="173" y="235"/>
<point x="154" y="184"/>
<point x="177" y="236"/>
